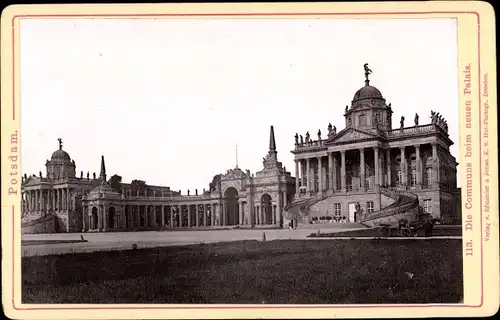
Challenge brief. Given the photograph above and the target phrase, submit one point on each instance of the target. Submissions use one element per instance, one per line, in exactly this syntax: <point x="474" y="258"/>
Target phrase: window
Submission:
<point x="413" y="180"/>
<point x="369" y="207"/>
<point x="362" y="120"/>
<point x="428" y="206"/>
<point x="348" y="183"/>
<point x="428" y="176"/>
<point x="399" y="177"/>
<point x="378" y="118"/>
<point x="337" y="209"/>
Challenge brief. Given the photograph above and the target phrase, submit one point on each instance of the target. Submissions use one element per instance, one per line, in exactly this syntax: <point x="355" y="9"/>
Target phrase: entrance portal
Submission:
<point x="111" y="218"/>
<point x="231" y="207"/>
<point x="95" y="222"/>
<point x="267" y="208"/>
<point x="352" y="212"/>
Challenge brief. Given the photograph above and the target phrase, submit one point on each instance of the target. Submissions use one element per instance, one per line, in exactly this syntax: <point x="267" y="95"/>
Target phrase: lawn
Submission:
<point x="275" y="272"/>
<point x="373" y="232"/>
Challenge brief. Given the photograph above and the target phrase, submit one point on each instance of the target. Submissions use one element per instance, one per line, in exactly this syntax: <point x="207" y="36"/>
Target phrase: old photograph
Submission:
<point x="240" y="161"/>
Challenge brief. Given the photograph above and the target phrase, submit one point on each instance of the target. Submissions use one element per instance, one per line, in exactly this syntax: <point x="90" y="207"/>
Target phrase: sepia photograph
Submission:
<point x="247" y="161"/>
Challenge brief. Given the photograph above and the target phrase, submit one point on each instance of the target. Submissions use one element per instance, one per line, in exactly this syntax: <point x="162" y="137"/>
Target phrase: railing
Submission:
<point x="404" y="202"/>
<point x="311" y="144"/>
<point x="416" y="130"/>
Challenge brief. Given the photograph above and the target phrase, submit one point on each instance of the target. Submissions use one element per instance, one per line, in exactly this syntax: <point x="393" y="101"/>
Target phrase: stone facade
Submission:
<point x="348" y="168"/>
<point x="235" y="198"/>
<point x="368" y="169"/>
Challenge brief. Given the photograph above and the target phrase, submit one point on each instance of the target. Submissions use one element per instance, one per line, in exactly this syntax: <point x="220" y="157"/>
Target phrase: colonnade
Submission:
<point x="328" y="180"/>
<point x="42" y="201"/>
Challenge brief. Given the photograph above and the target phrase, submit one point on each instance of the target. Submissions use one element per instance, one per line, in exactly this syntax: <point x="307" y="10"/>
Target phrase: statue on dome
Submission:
<point x="319" y="134"/>
<point x="367" y="71"/>
<point x="296" y="138"/>
<point x="60" y="143"/>
<point x="402" y="122"/>
<point x="416" y="119"/>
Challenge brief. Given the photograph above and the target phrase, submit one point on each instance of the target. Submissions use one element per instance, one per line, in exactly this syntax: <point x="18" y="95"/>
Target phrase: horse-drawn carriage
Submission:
<point x="404" y="228"/>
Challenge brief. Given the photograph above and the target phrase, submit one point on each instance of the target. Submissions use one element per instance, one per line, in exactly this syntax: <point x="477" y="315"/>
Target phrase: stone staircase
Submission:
<point x="298" y="209"/>
<point x="405" y="206"/>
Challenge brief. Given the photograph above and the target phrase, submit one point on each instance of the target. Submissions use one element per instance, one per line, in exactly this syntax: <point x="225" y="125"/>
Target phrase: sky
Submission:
<point x="168" y="100"/>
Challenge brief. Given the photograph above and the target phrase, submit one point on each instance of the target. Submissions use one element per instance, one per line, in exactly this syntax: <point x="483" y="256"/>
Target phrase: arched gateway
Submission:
<point x="231" y="207"/>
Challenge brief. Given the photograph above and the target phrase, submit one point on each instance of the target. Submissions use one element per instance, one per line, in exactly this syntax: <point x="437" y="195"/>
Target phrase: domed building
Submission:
<point x="369" y="172"/>
<point x="61" y="202"/>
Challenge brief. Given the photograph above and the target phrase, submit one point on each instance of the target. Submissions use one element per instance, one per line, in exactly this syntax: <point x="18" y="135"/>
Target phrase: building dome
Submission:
<point x="60" y="155"/>
<point x="367" y="92"/>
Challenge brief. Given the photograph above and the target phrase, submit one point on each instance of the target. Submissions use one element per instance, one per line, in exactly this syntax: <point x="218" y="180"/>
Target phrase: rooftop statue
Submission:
<point x="402" y="122"/>
<point x="367" y="72"/>
<point x="301" y="140"/>
<point x="296" y="138"/>
<point x="416" y="119"/>
<point x="319" y="135"/>
<point x="307" y="136"/>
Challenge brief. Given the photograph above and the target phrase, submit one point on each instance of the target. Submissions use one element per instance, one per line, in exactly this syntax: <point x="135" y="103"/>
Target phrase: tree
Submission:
<point x="138" y="186"/>
<point x="116" y="183"/>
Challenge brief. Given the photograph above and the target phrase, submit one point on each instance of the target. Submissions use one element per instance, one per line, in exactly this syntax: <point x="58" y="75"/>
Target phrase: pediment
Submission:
<point x="350" y="135"/>
<point x="31" y="181"/>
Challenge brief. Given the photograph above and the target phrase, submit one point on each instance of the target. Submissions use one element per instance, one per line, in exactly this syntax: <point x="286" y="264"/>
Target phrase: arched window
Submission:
<point x="399" y="177"/>
<point x="428" y="176"/>
<point x="413" y="178"/>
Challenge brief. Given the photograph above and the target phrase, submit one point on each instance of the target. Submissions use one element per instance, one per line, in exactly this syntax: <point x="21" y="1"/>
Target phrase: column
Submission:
<point x="274" y="214"/>
<point x="69" y="199"/>
<point x="403" y="166"/>
<point x="212" y="214"/>
<point x="262" y="215"/>
<point x="362" y="169"/>
<point x="171" y="216"/>
<point x="123" y="220"/>
<point x="330" y="171"/>
<point x="99" y="218"/>
<point x="242" y="212"/>
<point x="197" y="210"/>
<point x="320" y="174"/>
<point x="388" y="162"/>
<point x="342" y="171"/>
<point x="162" y="216"/>
<point x="285" y="203"/>
<point x="53" y="200"/>
<point x="376" y="161"/>
<point x="146" y="216"/>
<point x="419" y="166"/>
<point x="84" y="211"/>
<point x="105" y="218"/>
<point x="297" y="177"/>
<point x="189" y="215"/>
<point x="308" y="173"/>
<point x="435" y="166"/>
<point x="205" y="213"/>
